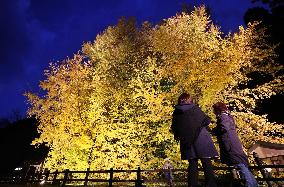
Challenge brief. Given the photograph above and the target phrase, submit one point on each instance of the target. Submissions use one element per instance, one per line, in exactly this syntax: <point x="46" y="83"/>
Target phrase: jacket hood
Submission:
<point x="184" y="107"/>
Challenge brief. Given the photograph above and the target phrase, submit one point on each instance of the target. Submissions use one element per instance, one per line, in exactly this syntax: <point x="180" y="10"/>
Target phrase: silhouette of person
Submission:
<point x="189" y="127"/>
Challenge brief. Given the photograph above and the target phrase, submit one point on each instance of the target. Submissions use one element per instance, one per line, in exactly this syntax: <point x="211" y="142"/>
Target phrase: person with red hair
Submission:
<point x="231" y="149"/>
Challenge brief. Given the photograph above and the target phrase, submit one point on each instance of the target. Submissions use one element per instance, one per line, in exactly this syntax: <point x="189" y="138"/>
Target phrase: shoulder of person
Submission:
<point x="225" y="116"/>
<point x="226" y="120"/>
<point x="195" y="107"/>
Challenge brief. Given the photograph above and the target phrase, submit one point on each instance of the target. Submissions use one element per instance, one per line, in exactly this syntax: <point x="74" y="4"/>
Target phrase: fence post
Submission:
<point x="139" y="181"/>
<point x="236" y="177"/>
<point x="171" y="178"/>
<point x="65" y="177"/>
<point x="33" y="176"/>
<point x="87" y="176"/>
<point x="110" y="177"/>
<point x="54" y="177"/>
<point x="23" y="178"/>
<point x="235" y="174"/>
<point x="39" y="176"/>
<point x="46" y="175"/>
<point x="263" y="171"/>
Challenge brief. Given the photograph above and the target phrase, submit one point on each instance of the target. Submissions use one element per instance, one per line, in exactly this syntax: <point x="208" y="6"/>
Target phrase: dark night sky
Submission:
<point x="36" y="32"/>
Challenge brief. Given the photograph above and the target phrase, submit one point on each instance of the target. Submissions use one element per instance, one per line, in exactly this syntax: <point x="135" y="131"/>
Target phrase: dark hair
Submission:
<point x="184" y="98"/>
<point x="220" y="107"/>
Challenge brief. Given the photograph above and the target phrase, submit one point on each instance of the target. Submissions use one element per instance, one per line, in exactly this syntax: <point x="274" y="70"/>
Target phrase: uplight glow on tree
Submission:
<point x="110" y="106"/>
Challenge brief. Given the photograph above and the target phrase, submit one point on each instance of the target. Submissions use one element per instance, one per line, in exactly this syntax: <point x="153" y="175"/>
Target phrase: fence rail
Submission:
<point x="53" y="177"/>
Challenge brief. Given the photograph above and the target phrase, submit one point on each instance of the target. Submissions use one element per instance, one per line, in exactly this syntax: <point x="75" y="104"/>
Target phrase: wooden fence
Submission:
<point x="140" y="180"/>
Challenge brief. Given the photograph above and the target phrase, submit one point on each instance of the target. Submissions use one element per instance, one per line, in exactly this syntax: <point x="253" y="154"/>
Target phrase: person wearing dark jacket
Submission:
<point x="231" y="149"/>
<point x="189" y="124"/>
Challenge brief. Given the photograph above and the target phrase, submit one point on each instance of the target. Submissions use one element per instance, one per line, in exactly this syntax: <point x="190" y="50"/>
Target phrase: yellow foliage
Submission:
<point x="110" y="106"/>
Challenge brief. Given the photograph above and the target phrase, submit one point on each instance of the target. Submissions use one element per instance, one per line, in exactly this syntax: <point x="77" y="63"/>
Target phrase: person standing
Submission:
<point x="168" y="166"/>
<point x="231" y="149"/>
<point x="189" y="124"/>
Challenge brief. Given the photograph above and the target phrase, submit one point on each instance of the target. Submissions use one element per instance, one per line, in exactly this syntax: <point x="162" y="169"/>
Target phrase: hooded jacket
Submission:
<point x="189" y="127"/>
<point x="231" y="149"/>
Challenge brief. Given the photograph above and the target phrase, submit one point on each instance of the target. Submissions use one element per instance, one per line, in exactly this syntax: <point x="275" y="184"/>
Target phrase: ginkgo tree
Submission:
<point x="110" y="106"/>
